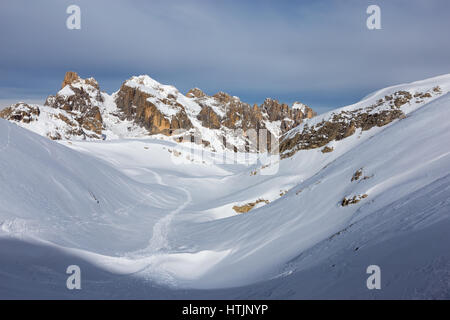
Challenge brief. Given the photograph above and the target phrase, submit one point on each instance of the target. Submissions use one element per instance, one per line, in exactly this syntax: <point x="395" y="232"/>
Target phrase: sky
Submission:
<point x="318" y="52"/>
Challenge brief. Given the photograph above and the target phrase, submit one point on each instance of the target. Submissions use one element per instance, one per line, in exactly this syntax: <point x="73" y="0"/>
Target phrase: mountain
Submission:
<point x="377" y="110"/>
<point x="143" y="106"/>
<point x="366" y="184"/>
<point x="73" y="113"/>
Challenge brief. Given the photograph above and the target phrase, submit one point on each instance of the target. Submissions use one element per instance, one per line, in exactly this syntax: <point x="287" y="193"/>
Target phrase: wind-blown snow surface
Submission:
<point x="143" y="224"/>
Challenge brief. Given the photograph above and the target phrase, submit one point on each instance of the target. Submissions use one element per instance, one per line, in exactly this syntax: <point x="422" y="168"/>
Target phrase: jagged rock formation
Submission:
<point x="163" y="109"/>
<point x="81" y="99"/>
<point x="157" y="112"/>
<point x="144" y="106"/>
<point x="345" y="122"/>
<point x="20" y="112"/>
<point x="70" y="114"/>
<point x="69" y="78"/>
<point x="224" y="110"/>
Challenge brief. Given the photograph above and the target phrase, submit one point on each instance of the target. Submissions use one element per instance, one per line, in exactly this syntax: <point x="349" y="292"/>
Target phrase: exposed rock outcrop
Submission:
<point x="69" y="78"/>
<point x="344" y="123"/>
<point x="209" y="118"/>
<point x="21" y="112"/>
<point x="136" y="105"/>
<point x="73" y="113"/>
<point x="230" y="112"/>
<point x="353" y="200"/>
<point x="249" y="206"/>
<point x="81" y="99"/>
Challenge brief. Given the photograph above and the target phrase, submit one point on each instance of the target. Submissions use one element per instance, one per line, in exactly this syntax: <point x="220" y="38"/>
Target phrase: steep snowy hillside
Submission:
<point x="365" y="184"/>
<point x="376" y="110"/>
<point x="51" y="192"/>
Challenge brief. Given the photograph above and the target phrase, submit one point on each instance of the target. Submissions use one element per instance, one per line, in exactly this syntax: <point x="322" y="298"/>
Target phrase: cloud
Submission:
<point x="319" y="52"/>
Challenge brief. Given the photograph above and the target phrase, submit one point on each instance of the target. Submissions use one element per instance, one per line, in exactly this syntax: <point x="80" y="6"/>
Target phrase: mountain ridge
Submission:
<point x="146" y="107"/>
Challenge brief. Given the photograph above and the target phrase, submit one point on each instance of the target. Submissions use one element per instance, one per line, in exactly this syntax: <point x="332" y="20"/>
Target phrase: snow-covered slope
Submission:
<point x="376" y="110"/>
<point x="49" y="191"/>
<point x="133" y="215"/>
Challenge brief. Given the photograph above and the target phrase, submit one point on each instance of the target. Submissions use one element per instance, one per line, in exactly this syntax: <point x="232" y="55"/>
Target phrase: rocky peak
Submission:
<point x="72" y="113"/>
<point x="69" y="78"/>
<point x="73" y="80"/>
<point x="92" y="82"/>
<point x="78" y="109"/>
<point x="270" y="101"/>
<point x="81" y="99"/>
<point x="225" y="111"/>
<point x="156" y="107"/>
<point x="223" y="97"/>
<point x="306" y="111"/>
<point x="161" y="109"/>
<point x="195" y="93"/>
<point x="288" y="117"/>
<point x="275" y="109"/>
<point x="299" y="106"/>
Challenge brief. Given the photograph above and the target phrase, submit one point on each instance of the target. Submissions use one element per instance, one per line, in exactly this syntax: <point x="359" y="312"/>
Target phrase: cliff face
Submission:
<point x="136" y="105"/>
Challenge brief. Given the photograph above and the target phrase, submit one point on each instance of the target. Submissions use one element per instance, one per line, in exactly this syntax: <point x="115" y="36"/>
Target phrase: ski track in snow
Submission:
<point x="159" y="240"/>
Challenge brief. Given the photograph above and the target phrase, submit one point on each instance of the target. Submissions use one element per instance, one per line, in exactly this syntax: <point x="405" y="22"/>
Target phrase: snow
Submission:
<point x="215" y="106"/>
<point x="167" y="99"/>
<point x="159" y="92"/>
<point x="66" y="92"/>
<point x="274" y="127"/>
<point x="134" y="216"/>
<point x="418" y="86"/>
<point x="299" y="106"/>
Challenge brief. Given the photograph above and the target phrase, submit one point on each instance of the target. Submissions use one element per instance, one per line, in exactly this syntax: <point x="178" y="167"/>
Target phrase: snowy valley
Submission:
<point x="121" y="186"/>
